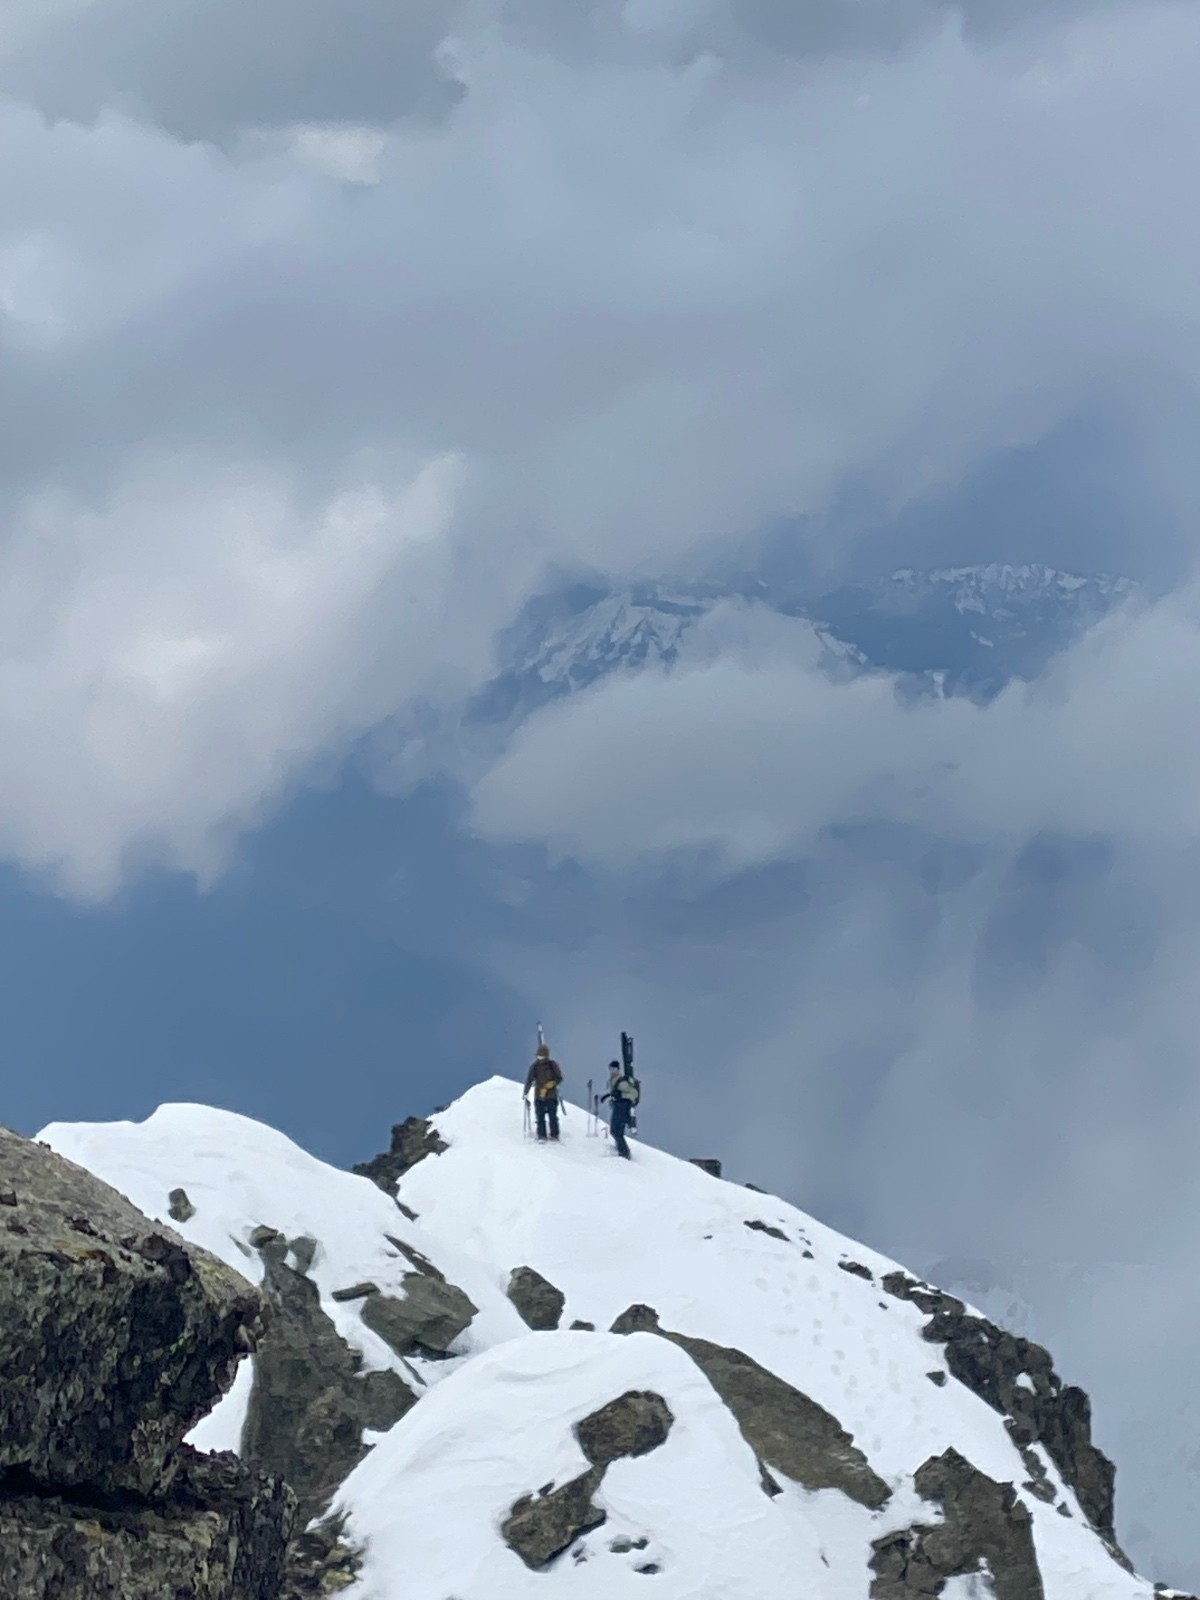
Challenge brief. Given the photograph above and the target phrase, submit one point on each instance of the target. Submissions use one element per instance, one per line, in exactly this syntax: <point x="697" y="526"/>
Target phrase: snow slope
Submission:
<point x="240" y="1175"/>
<point x="689" y="1518"/>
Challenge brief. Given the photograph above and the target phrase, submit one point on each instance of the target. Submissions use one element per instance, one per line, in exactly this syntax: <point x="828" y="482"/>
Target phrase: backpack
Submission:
<point x="632" y="1091"/>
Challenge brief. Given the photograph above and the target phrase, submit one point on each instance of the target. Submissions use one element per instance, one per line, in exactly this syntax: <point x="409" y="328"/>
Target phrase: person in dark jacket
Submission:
<point x="623" y="1094"/>
<point x="544" y="1078"/>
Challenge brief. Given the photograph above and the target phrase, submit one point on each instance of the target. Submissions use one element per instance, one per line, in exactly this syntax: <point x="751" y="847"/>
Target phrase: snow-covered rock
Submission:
<point x="799" y="1415"/>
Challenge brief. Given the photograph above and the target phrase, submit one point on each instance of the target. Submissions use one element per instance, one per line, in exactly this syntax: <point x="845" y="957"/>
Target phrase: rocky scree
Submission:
<point x="115" y="1339"/>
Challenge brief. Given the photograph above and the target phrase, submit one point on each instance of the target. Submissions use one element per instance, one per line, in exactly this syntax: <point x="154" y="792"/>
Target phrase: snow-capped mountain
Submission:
<point x="500" y="1370"/>
<point x="981" y="625"/>
<point x="975" y="627"/>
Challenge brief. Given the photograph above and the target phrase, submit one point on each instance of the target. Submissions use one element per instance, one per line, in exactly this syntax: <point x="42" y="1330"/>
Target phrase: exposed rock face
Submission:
<point x="320" y="1562"/>
<point x="311" y="1400"/>
<point x="985" y="1528"/>
<point x="1041" y="1410"/>
<point x="708" y="1164"/>
<point x="219" y="1535"/>
<point x="426" y="1322"/>
<point x="412" y="1140"/>
<point x="540" y="1527"/>
<point x="632" y="1425"/>
<point x="784" y="1428"/>
<point x="114" y="1339"/>
<point x="539" y="1302"/>
<point x="181" y="1208"/>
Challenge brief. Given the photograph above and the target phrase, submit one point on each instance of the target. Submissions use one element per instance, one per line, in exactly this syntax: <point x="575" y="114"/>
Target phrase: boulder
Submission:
<point x="984" y="1527"/>
<point x="412" y="1140"/>
<point x="310" y="1400"/>
<point x="708" y="1164"/>
<point x="632" y="1425"/>
<point x="784" y="1428"/>
<point x="427" y="1321"/>
<point x="538" y="1301"/>
<point x="115" y="1338"/>
<point x="219" y="1534"/>
<point x="540" y="1527"/>
<point x="180" y="1208"/>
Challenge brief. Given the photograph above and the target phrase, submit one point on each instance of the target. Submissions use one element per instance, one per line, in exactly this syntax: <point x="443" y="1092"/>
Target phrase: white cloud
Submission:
<point x="347" y="153"/>
<point x="173" y="659"/>
<point x="649" y="305"/>
<point x="748" y="762"/>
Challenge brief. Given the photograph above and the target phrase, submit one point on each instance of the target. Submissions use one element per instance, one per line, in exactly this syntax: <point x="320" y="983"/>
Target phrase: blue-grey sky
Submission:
<point x="326" y="332"/>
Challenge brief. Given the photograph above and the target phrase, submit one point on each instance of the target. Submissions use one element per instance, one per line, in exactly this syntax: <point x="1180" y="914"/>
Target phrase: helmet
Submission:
<point x="543" y="1052"/>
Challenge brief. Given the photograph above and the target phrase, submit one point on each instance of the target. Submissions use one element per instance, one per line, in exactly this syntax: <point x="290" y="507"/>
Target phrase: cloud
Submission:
<point x="206" y="71"/>
<point x="214" y="69"/>
<point x="746" y="761"/>
<point x="349" y="153"/>
<point x="648" y="306"/>
<point x="172" y="659"/>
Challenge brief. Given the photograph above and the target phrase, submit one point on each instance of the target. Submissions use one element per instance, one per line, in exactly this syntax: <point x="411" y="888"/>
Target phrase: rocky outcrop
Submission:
<point x="540" y="1304"/>
<point x="1017" y="1378"/>
<point x="320" y="1562"/>
<point x="784" y="1428"/>
<point x="432" y="1314"/>
<point x="541" y="1527"/>
<point x="708" y="1164"/>
<point x="311" y="1399"/>
<point x="632" y="1425"/>
<point x="985" y="1528"/>
<point x="218" y="1535"/>
<point x="412" y="1140"/>
<point x="115" y="1339"/>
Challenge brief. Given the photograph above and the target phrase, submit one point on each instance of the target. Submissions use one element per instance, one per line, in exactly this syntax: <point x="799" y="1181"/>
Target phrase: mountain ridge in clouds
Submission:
<point x="976" y="627"/>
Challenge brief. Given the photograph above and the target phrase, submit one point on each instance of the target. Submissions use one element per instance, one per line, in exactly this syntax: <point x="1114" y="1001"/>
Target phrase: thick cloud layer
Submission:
<point x="648" y="305"/>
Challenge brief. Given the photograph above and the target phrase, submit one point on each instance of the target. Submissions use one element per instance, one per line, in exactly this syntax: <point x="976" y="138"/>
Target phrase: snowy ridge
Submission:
<point x="496" y="1422"/>
<point x="989" y="620"/>
<point x="998" y="586"/>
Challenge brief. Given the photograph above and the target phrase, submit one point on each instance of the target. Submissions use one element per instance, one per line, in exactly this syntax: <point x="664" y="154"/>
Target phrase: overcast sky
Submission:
<point x="327" y="330"/>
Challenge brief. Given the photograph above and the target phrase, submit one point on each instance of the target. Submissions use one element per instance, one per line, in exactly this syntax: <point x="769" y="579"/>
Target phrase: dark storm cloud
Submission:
<point x="212" y="69"/>
<point x="209" y="70"/>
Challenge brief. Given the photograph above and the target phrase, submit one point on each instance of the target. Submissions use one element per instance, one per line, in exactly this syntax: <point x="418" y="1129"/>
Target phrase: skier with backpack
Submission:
<point x="624" y="1092"/>
<point x="544" y="1079"/>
